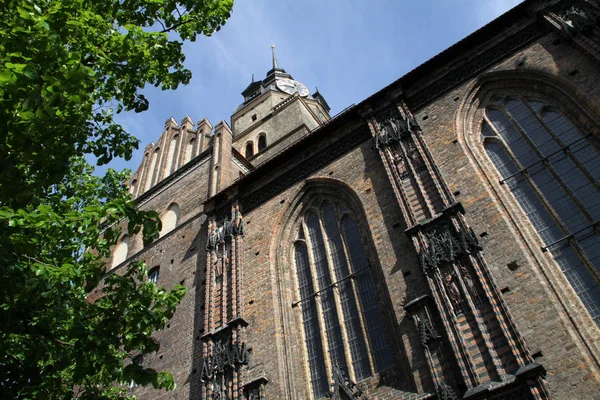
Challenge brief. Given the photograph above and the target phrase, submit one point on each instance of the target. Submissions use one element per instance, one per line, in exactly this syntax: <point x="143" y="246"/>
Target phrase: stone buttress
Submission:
<point x="224" y="347"/>
<point x="470" y="341"/>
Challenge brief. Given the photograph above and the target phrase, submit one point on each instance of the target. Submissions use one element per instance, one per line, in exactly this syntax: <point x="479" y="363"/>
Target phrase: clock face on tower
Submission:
<point x="290" y="86"/>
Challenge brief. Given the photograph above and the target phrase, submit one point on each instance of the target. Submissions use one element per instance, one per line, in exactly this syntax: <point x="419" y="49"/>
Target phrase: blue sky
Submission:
<point x="349" y="49"/>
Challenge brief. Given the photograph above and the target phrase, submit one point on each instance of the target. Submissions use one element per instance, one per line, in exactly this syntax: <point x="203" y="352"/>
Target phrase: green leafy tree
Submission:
<point x="67" y="67"/>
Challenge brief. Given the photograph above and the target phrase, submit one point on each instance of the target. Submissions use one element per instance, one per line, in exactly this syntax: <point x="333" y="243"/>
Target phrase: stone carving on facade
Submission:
<point x="432" y="346"/>
<point x="450" y="258"/>
<point x="255" y="389"/>
<point x="224" y="351"/>
<point x="413" y="153"/>
<point x="426" y="330"/>
<point x="580" y="18"/>
<point x="400" y="164"/>
<point x="219" y="239"/>
<point x="452" y="290"/>
<point x="393" y="126"/>
<point x="468" y="280"/>
<point x="445" y="392"/>
<point x="343" y="387"/>
<point x="445" y="244"/>
<point x="225" y="355"/>
<point x="219" y="234"/>
<point x="253" y="394"/>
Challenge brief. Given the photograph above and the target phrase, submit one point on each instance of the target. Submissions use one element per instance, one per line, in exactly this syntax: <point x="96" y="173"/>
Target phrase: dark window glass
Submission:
<point x="366" y="292"/>
<point x="356" y="339"/>
<point x="249" y="150"/>
<point x="554" y="173"/>
<point x="330" y="315"/>
<point x="262" y="142"/>
<point x="312" y="334"/>
<point x="326" y="264"/>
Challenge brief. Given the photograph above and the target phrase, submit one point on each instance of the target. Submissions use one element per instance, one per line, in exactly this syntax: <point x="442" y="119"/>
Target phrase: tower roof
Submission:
<point x="256" y="88"/>
<point x="275" y="70"/>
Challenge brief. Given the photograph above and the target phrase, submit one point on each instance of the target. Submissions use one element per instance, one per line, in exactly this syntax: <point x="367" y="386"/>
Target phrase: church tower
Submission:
<point x="276" y="112"/>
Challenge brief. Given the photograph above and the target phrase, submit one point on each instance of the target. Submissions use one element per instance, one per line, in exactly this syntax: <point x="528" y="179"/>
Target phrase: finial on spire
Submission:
<point x="275" y="65"/>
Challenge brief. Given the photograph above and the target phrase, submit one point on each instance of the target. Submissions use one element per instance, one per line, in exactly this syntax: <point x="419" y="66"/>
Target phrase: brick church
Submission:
<point x="439" y="240"/>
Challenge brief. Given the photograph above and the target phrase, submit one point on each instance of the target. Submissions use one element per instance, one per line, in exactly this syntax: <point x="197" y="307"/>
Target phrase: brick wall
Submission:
<point x="562" y="333"/>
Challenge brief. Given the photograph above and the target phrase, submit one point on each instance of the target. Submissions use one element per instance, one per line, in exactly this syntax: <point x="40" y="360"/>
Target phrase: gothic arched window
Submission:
<point x="553" y="171"/>
<point x="340" y="311"/>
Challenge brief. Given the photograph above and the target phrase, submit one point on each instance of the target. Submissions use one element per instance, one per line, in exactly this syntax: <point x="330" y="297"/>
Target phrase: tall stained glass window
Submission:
<point x="340" y="311"/>
<point x="553" y="171"/>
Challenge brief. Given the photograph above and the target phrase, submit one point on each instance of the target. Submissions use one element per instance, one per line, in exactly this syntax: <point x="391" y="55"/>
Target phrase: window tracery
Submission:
<point x="342" y="321"/>
<point x="553" y="171"/>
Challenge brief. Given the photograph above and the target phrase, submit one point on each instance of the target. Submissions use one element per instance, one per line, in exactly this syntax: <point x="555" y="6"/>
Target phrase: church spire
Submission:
<point x="275" y="65"/>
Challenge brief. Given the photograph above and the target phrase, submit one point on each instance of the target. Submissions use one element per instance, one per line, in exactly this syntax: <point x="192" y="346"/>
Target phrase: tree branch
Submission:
<point x="37" y="261"/>
<point x="176" y="26"/>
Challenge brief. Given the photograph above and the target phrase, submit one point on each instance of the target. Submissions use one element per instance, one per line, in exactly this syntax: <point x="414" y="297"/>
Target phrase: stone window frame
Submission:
<point x="331" y="191"/>
<point x="571" y="103"/>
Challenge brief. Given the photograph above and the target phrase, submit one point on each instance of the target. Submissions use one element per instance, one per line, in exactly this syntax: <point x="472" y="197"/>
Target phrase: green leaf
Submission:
<point x="66" y="68"/>
<point x="6" y="76"/>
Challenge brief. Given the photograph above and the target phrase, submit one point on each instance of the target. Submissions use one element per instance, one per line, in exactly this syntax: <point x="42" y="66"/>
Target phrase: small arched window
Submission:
<point x="153" y="275"/>
<point x="120" y="253"/>
<point x="170" y="219"/>
<point x="262" y="142"/>
<point x="553" y="171"/>
<point x="331" y="261"/>
<point x="249" y="150"/>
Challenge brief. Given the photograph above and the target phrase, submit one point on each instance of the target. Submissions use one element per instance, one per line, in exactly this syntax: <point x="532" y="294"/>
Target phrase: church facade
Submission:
<point x="439" y="240"/>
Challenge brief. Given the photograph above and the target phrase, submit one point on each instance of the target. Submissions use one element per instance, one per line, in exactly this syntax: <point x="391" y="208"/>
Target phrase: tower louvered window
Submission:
<point x="341" y="317"/>
<point x="553" y="171"/>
